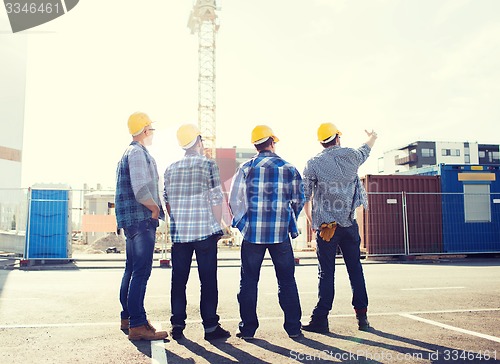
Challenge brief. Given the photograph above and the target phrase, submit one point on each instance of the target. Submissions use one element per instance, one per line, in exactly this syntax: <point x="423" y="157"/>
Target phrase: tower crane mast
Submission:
<point x="204" y="22"/>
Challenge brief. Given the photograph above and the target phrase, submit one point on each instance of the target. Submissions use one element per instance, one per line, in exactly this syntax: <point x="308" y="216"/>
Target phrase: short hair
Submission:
<point x="198" y="138"/>
<point x="331" y="142"/>
<point x="260" y="147"/>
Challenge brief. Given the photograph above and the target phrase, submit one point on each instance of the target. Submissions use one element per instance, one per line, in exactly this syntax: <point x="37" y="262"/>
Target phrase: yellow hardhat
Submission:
<point x="261" y="133"/>
<point x="327" y="131"/>
<point x="137" y="121"/>
<point x="187" y="135"/>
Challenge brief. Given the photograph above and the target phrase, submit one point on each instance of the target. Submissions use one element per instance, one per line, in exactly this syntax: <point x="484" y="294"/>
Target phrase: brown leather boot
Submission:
<point x="124" y="324"/>
<point x="146" y="332"/>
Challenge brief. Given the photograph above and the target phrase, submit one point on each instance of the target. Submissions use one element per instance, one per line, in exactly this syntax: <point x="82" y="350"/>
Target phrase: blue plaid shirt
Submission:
<point x="192" y="187"/>
<point x="266" y="198"/>
<point x="136" y="182"/>
<point x="331" y="180"/>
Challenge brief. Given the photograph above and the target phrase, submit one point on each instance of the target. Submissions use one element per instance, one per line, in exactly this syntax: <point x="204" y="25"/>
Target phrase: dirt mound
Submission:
<point x="100" y="245"/>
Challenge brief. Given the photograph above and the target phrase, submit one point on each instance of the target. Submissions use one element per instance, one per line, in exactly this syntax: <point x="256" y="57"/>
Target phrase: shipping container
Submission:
<point x="403" y="216"/>
<point x="226" y="161"/>
<point x="471" y="208"/>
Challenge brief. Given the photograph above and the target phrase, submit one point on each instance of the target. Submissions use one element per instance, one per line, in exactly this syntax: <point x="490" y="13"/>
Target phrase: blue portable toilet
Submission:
<point x="48" y="232"/>
<point x="471" y="208"/>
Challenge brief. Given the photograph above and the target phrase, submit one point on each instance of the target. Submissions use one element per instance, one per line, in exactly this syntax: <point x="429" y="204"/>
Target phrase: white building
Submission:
<point x="430" y="153"/>
<point x="12" y="97"/>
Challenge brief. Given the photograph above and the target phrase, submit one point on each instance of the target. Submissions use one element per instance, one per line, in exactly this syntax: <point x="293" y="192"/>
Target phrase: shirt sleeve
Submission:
<point x="214" y="184"/>
<point x="237" y="196"/>
<point x="298" y="197"/>
<point x="140" y="176"/>
<point x="309" y="181"/>
<point x="362" y="154"/>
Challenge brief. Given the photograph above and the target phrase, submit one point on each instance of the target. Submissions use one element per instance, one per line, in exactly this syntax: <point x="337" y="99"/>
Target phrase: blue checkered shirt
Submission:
<point x="266" y="198"/>
<point x="192" y="187"/>
<point x="136" y="182"/>
<point x="331" y="179"/>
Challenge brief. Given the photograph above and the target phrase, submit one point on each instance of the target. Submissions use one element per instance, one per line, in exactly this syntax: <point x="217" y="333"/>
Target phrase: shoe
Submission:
<point x="296" y="336"/>
<point x="124" y="324"/>
<point x="145" y="332"/>
<point x="177" y="332"/>
<point x="363" y="323"/>
<point x="218" y="333"/>
<point x="244" y="337"/>
<point x="319" y="326"/>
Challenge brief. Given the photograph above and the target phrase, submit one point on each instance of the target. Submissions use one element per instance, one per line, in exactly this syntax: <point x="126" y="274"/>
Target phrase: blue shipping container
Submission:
<point x="471" y="208"/>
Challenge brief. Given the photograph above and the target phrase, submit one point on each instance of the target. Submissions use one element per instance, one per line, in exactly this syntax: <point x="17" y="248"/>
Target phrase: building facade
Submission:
<point x="431" y="153"/>
<point x="12" y="97"/>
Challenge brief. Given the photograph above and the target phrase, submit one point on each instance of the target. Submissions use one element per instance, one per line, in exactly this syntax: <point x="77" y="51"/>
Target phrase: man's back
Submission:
<point x="192" y="187"/>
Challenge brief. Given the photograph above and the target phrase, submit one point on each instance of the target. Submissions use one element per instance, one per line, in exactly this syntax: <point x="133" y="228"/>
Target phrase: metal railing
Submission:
<point x="395" y="224"/>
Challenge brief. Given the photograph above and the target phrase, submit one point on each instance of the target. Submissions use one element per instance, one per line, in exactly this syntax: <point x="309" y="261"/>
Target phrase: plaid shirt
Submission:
<point x="331" y="179"/>
<point x="266" y="198"/>
<point x="192" y="187"/>
<point x="136" y="182"/>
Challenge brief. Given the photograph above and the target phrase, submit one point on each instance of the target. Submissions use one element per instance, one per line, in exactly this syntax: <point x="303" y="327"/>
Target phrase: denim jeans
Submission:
<point x="206" y="258"/>
<point x="252" y="256"/>
<point x="140" y="241"/>
<point x="348" y="239"/>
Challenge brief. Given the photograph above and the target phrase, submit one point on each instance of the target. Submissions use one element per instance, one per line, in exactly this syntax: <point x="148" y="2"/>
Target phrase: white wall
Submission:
<point x="12" y="97"/>
<point x="390" y="166"/>
<point x="449" y="159"/>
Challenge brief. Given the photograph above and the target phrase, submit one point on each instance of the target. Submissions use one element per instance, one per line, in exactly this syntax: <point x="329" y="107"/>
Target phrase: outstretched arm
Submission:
<point x="372" y="136"/>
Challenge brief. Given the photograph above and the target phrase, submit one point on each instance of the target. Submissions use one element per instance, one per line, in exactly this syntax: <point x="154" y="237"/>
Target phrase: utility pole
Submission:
<point x="204" y="21"/>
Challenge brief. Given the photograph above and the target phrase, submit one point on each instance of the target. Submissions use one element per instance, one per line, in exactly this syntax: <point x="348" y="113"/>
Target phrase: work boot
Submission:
<point x="218" y="333"/>
<point x="317" y="325"/>
<point x="124" y="324"/>
<point x="177" y="332"/>
<point x="363" y="323"/>
<point x="146" y="332"/>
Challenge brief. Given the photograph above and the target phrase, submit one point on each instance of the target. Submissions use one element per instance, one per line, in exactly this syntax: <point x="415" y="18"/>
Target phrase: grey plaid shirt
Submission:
<point x="331" y="180"/>
<point x="192" y="187"/>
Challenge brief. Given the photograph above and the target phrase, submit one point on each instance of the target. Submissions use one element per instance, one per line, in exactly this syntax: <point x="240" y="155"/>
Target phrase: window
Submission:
<point x="477" y="203"/>
<point x="427" y="152"/>
<point x="445" y="152"/>
<point x="467" y="159"/>
<point x="482" y="154"/>
<point x="466" y="150"/>
<point x="457" y="152"/>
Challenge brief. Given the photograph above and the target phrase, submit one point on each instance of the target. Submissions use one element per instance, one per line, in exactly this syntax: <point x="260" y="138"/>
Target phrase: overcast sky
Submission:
<point x="411" y="70"/>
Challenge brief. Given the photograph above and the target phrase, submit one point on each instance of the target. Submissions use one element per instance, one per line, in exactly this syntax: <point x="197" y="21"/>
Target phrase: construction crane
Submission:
<point x="204" y="21"/>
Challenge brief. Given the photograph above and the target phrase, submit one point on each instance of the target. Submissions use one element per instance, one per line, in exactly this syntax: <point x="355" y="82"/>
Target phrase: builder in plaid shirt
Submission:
<point x="193" y="197"/>
<point x="333" y="192"/>
<point x="138" y="208"/>
<point x="266" y="199"/>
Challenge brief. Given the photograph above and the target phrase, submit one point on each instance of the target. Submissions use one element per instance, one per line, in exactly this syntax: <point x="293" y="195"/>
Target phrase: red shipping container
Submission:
<point x="403" y="217"/>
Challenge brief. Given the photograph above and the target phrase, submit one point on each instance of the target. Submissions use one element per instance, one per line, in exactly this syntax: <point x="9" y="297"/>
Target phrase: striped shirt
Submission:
<point x="266" y="198"/>
<point x="136" y="183"/>
<point x="331" y="179"/>
<point x="192" y="187"/>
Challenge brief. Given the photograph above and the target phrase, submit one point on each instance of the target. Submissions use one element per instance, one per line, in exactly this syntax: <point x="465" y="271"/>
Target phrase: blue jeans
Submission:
<point x="139" y="250"/>
<point x="347" y="238"/>
<point x="206" y="257"/>
<point x="252" y="256"/>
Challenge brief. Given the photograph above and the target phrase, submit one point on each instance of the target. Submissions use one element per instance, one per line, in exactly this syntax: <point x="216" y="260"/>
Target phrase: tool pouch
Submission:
<point x="326" y="231"/>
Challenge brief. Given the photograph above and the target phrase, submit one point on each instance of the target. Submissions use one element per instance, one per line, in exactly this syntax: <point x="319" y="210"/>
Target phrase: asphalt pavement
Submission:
<point x="438" y="310"/>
